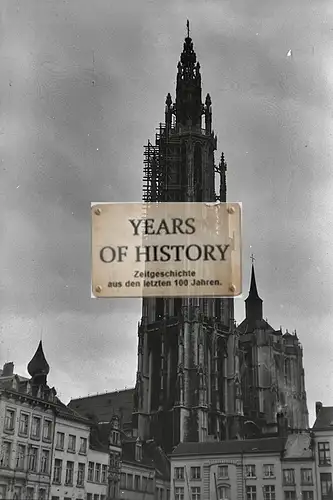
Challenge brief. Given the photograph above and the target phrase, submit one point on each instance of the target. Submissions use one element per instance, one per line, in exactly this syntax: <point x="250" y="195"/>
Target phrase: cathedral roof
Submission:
<point x="38" y="365"/>
<point x="251" y="446"/>
<point x="103" y="406"/>
<point x="247" y="326"/>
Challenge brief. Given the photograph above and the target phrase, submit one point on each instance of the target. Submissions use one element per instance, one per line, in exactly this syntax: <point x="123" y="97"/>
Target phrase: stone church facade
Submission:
<point x="199" y="378"/>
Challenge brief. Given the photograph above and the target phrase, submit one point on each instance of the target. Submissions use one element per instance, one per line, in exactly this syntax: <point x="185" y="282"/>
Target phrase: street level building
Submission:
<point x="323" y="445"/>
<point x="275" y="468"/>
<point x="27" y="423"/>
<point x="139" y="470"/>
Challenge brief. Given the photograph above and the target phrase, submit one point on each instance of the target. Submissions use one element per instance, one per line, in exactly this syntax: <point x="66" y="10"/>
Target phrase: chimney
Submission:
<point x="282" y="424"/>
<point x="8" y="369"/>
<point x="319" y="406"/>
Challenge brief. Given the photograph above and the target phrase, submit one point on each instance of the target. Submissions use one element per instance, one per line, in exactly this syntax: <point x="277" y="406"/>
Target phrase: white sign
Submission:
<point x="166" y="249"/>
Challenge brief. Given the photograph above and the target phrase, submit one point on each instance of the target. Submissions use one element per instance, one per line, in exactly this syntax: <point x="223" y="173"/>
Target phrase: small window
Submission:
<point x="91" y="467"/>
<point x="195" y="493"/>
<point x="10" y="420"/>
<point x="324" y="453"/>
<point x="60" y="442"/>
<point x="45" y="462"/>
<point x="251" y="493"/>
<point x="269" y="492"/>
<point x="36" y="427"/>
<point x="69" y="473"/>
<point x="24" y="424"/>
<point x="306" y="476"/>
<point x="250" y="471"/>
<point x="195" y="473"/>
<point x="71" y="443"/>
<point x="98" y="473"/>
<point x="47" y="430"/>
<point x="83" y="445"/>
<point x="57" y="471"/>
<point x="289" y="476"/>
<point x="269" y="470"/>
<point x="80" y="474"/>
<point x="129" y="483"/>
<point x="223" y="472"/>
<point x="179" y="472"/>
<point x="179" y="493"/>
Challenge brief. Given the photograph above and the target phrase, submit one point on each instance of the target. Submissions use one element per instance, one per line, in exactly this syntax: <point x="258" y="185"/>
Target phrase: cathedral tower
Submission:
<point x="272" y="373"/>
<point x="187" y="387"/>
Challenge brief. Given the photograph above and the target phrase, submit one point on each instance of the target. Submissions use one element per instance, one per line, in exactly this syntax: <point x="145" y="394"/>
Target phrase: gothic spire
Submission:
<point x="188" y="92"/>
<point x="253" y="303"/>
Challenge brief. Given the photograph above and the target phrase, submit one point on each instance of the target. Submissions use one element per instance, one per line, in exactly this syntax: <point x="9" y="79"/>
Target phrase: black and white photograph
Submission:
<point x="107" y="395"/>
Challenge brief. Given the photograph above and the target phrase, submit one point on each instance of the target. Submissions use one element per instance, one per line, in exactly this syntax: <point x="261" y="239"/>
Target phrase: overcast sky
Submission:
<point x="83" y="86"/>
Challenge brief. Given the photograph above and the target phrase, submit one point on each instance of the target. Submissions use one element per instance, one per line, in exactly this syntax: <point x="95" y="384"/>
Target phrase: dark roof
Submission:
<point x="247" y="326"/>
<point x="152" y="456"/>
<point x="99" y="437"/>
<point x="324" y="418"/>
<point x="38" y="365"/>
<point x="70" y="414"/>
<point x="263" y="445"/>
<point x="253" y="292"/>
<point x="103" y="406"/>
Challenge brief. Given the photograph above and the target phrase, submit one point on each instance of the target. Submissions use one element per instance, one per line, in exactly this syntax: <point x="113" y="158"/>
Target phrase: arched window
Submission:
<point x="223" y="492"/>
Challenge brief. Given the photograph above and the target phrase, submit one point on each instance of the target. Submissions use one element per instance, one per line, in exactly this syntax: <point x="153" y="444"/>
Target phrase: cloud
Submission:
<point x="83" y="88"/>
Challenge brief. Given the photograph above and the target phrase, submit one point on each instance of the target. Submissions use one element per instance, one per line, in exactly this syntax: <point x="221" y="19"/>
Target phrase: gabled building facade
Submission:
<point x="138" y="469"/>
<point x="323" y="446"/>
<point x="27" y="423"/>
<point x="279" y="468"/>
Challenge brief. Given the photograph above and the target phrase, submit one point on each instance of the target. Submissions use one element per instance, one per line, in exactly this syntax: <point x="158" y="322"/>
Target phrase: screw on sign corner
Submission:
<point x="98" y="289"/>
<point x="230" y="210"/>
<point x="98" y="211"/>
<point x="232" y="288"/>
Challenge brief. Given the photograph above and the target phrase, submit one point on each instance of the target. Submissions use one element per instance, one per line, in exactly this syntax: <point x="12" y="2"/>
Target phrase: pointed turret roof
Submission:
<point x="253" y="292"/>
<point x="38" y="365"/>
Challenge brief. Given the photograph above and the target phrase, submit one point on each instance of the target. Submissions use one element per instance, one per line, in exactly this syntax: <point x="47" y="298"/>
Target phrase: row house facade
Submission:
<point x="27" y="423"/>
<point x="273" y="468"/>
<point x="138" y="469"/>
<point x="49" y="451"/>
<point x="323" y="448"/>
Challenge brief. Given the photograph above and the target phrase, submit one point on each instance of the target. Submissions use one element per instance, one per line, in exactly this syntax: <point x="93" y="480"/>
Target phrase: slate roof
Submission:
<point x="247" y="326"/>
<point x="234" y="447"/>
<point x="103" y="406"/>
<point x="152" y="456"/>
<point x="324" y="419"/>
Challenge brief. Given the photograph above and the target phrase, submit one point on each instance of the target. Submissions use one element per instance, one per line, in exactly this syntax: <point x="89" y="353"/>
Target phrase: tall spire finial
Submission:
<point x="252" y="258"/>
<point x="188" y="28"/>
